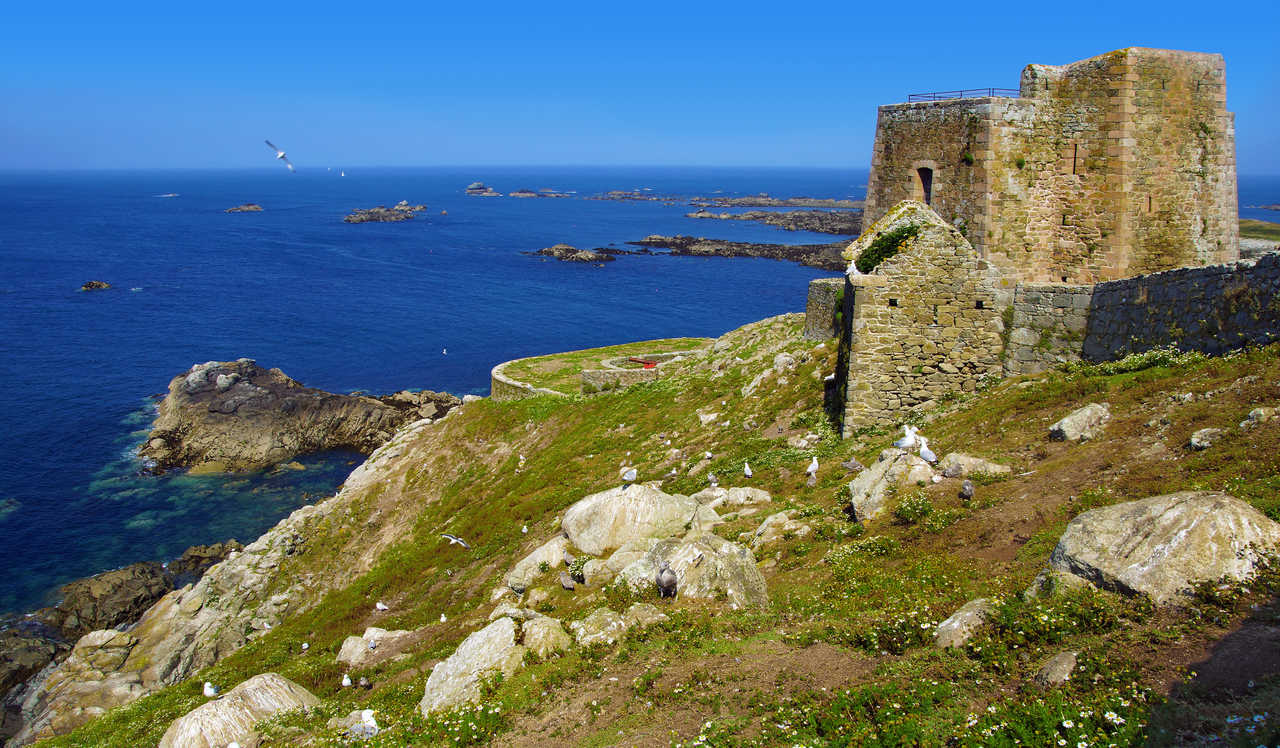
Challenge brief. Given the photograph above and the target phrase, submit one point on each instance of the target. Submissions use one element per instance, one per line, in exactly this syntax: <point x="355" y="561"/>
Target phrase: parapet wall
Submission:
<point x="820" y="310"/>
<point x="1212" y="309"/>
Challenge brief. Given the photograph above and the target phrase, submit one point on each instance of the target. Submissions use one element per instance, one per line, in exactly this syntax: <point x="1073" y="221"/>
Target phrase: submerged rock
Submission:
<point x="1161" y="546"/>
<point x="237" y="416"/>
<point x="233" y="716"/>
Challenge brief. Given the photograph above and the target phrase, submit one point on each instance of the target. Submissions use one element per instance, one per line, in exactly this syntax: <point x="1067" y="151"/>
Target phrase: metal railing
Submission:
<point x="967" y="93"/>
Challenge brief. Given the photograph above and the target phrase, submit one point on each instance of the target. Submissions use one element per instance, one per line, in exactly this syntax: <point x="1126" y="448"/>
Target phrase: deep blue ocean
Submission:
<point x="338" y="306"/>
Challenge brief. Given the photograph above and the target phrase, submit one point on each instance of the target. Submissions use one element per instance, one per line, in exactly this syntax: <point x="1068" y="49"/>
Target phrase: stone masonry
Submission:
<point x="1106" y="168"/>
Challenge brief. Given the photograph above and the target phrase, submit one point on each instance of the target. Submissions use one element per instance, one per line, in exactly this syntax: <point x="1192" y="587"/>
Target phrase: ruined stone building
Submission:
<point x="1092" y="216"/>
<point x="1106" y="168"/>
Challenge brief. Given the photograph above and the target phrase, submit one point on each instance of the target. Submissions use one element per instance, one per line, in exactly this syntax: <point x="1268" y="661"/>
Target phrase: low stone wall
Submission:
<point x="615" y="375"/>
<point x="503" y="388"/>
<point x="1212" y="309"/>
<point x="1045" y="326"/>
<point x="820" y="310"/>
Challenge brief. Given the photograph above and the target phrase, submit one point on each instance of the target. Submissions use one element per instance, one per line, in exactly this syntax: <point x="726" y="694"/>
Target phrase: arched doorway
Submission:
<point x="925" y="185"/>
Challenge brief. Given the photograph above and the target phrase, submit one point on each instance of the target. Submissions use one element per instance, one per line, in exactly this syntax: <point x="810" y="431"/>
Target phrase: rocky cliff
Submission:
<point x="237" y="416"/>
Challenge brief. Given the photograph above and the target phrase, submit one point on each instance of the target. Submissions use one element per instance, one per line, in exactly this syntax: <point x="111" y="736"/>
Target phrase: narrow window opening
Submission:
<point x="935" y="314"/>
<point x="1148" y="203"/>
<point x="1064" y="220"/>
<point x="978" y="304"/>
<point x="1064" y="279"/>
<point x="925" y="175"/>
<point x="1075" y="155"/>
<point x="893" y="302"/>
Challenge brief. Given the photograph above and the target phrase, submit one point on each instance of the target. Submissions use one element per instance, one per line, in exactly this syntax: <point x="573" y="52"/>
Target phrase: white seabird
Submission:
<point x="279" y="154"/>
<point x="746" y="469"/>
<point x="381" y="606"/>
<point x="306" y="646"/>
<point x="628" y="475"/>
<point x="524" y="530"/>
<point x="926" y="454"/>
<point x="454" y="539"/>
<point x="813" y="466"/>
<point x="443" y="618"/>
<point x="210" y="690"/>
<point x="908" y="441"/>
<point x="346" y="681"/>
<point x="711" y="478"/>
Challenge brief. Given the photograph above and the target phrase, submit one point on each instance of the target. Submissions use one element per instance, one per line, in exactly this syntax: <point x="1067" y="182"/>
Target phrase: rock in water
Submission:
<point x="1082" y="424"/>
<point x="232" y="717"/>
<point x="245" y="208"/>
<point x="1162" y="545"/>
<point x="569" y="253"/>
<point x="95" y="286"/>
<point x="237" y="416"/>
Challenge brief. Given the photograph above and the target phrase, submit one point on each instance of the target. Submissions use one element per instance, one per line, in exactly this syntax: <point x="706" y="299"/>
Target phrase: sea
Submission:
<point x="430" y="303"/>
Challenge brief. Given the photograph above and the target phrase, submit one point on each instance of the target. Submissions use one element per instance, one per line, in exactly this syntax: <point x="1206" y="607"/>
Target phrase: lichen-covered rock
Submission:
<point x="604" y="521"/>
<point x="706" y="567"/>
<point x="643" y="615"/>
<point x="1259" y="416"/>
<point x="718" y="496"/>
<point x="456" y="680"/>
<point x="232" y="717"/>
<point x="959" y="465"/>
<point x="1057" y="670"/>
<point x="774" y="528"/>
<point x="356" y="652"/>
<point x="550" y="554"/>
<point x="1161" y="546"/>
<point x="870" y="490"/>
<point x="545" y="636"/>
<point x="1082" y="424"/>
<point x="1205" y="438"/>
<point x="601" y="626"/>
<point x="961" y="625"/>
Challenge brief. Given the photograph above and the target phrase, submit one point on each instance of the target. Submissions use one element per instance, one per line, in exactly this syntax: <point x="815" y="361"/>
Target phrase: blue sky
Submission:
<point x="139" y="85"/>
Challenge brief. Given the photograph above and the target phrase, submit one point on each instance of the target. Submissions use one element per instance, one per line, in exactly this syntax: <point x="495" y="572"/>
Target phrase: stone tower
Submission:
<point x="1106" y="168"/>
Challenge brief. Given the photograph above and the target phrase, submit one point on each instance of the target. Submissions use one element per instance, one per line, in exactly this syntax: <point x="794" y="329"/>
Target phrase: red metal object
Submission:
<point x="647" y="363"/>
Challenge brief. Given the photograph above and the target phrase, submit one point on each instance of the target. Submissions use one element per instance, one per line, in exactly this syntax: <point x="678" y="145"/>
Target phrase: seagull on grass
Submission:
<point x="812" y="471"/>
<point x="210" y="690"/>
<point x="381" y="606"/>
<point x="279" y="154"/>
<point x="454" y="539"/>
<point x="746" y="469"/>
<point x="346" y="681"/>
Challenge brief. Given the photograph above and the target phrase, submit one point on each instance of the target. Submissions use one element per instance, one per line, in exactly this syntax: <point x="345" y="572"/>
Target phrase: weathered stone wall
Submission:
<point x="504" y="388"/>
<point x="825" y="296"/>
<point x="925" y="323"/>
<point x="1046" y="326"/>
<point x="1109" y="167"/>
<point x="1211" y="309"/>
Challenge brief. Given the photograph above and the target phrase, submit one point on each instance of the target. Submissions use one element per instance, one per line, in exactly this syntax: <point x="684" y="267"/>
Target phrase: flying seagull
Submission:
<point x="454" y="539"/>
<point x="279" y="154"/>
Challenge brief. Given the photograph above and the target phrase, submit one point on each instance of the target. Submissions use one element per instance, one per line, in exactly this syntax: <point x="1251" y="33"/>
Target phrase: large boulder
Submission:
<point x="23" y="653"/>
<point x="960" y="465"/>
<point x="528" y="568"/>
<point x="545" y="636"/>
<point x="456" y="680"/>
<point x="870" y="491"/>
<point x="356" y="651"/>
<point x="706" y="567"/>
<point x="1161" y="546"/>
<point x="235" y="415"/>
<point x="774" y="528"/>
<point x="601" y="626"/>
<point x="604" y="521"/>
<point x="232" y="717"/>
<point x="109" y="599"/>
<point x="737" y="496"/>
<point x="1082" y="424"/>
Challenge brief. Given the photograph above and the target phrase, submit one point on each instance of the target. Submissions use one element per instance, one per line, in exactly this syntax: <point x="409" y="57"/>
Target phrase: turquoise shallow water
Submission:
<point x="337" y="306"/>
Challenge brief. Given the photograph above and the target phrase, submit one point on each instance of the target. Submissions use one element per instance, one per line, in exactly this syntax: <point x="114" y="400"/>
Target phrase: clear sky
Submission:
<point x="182" y="84"/>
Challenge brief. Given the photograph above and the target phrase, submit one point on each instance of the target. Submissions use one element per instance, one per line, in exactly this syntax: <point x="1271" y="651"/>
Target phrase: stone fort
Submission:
<point x="1089" y="216"/>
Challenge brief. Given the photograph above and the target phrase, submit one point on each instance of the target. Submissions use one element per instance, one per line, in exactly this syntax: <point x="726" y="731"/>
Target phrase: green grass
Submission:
<point x="1254" y="229"/>
<point x="869" y="595"/>
<point x="560" y="371"/>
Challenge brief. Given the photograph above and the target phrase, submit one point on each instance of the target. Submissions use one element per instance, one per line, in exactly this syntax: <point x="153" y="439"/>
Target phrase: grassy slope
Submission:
<point x="842" y="653"/>
<point x="1253" y="229"/>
